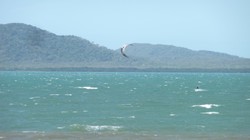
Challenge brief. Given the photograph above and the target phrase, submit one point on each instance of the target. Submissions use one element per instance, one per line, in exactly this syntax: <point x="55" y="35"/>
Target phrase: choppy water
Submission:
<point x="88" y="105"/>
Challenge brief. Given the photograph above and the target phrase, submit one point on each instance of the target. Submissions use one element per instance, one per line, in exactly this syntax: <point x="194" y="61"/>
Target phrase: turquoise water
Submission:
<point x="89" y="105"/>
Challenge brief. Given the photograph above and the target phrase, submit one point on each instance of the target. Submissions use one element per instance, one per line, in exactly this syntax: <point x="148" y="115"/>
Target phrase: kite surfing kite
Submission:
<point x="124" y="48"/>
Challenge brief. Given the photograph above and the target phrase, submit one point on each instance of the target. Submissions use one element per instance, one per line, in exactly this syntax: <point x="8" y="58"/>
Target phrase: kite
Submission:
<point x="124" y="48"/>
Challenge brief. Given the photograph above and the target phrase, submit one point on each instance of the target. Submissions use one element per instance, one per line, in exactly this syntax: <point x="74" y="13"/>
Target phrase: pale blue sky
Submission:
<point x="215" y="25"/>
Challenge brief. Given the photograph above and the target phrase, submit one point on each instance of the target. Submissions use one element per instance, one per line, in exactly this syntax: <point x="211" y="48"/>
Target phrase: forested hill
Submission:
<point x="178" y="57"/>
<point x="27" y="47"/>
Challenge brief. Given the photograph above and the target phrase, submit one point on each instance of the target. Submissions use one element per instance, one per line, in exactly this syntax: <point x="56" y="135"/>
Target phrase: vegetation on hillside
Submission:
<point x="27" y="47"/>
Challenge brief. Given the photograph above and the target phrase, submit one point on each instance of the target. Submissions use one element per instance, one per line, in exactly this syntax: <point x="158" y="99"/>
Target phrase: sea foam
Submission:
<point x="96" y="128"/>
<point x="172" y="115"/>
<point x="33" y="132"/>
<point x="207" y="106"/>
<point x="88" y="87"/>
<point x="60" y="127"/>
<point x="199" y="90"/>
<point x="102" y="127"/>
<point x="54" y="94"/>
<point x="36" y="97"/>
<point x="210" y="113"/>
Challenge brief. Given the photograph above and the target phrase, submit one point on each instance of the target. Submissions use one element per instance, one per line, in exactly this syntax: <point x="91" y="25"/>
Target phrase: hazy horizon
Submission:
<point x="221" y="26"/>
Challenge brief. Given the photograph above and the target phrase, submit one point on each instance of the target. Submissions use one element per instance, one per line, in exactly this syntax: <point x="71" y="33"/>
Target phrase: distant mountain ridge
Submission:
<point x="27" y="47"/>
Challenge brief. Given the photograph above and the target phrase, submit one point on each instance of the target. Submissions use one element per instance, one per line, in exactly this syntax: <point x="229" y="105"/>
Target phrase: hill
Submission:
<point x="178" y="57"/>
<point x="27" y="47"/>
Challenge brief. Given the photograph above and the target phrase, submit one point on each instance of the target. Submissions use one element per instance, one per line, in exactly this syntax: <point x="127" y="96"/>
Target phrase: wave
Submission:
<point x="210" y="113"/>
<point x="54" y="94"/>
<point x="35" y="97"/>
<point x="129" y="117"/>
<point x="126" y="105"/>
<point x="172" y="115"/>
<point x="88" y="87"/>
<point x="33" y="131"/>
<point x="95" y="128"/>
<point x="60" y="127"/>
<point x="102" y="127"/>
<point x="199" y="90"/>
<point x="74" y="111"/>
<point x="207" y="106"/>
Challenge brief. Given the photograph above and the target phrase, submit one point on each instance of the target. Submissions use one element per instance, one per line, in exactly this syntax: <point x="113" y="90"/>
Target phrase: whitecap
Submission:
<point x="54" y="95"/>
<point x="60" y="127"/>
<point x="207" y="106"/>
<point x="172" y="115"/>
<point x="248" y="99"/>
<point x="88" y="87"/>
<point x="75" y="125"/>
<point x="36" y="97"/>
<point x="199" y="90"/>
<point x="68" y="94"/>
<point x="131" y="117"/>
<point x="210" y="113"/>
<point x="33" y="132"/>
<point x="102" y="127"/>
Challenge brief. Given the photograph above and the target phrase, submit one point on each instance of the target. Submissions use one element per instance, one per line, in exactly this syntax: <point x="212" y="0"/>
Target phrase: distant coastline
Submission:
<point x="28" y="48"/>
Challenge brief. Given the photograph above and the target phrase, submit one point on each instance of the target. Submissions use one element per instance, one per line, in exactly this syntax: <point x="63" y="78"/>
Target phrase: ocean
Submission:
<point x="124" y="105"/>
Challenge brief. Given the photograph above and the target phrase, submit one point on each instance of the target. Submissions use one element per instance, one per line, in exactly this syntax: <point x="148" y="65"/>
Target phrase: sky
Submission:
<point x="214" y="25"/>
